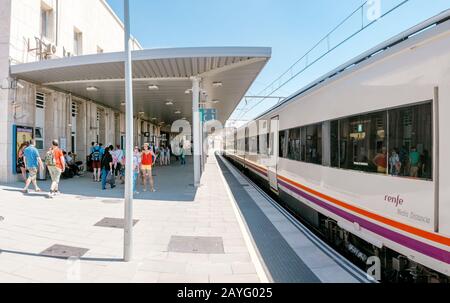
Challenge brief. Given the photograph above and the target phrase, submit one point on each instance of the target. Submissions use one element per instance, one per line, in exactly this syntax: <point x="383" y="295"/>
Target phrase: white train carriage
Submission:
<point x="363" y="153"/>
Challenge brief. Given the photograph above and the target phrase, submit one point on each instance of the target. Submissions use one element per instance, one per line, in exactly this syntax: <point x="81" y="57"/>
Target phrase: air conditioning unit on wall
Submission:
<point x="50" y="51"/>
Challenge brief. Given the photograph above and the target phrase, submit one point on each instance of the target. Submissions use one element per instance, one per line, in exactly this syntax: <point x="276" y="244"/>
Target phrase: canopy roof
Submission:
<point x="233" y="69"/>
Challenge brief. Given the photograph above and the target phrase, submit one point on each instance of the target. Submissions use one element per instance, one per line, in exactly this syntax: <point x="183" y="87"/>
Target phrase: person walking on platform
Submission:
<point x="107" y="170"/>
<point x="20" y="161"/>
<point x="32" y="162"/>
<point x="167" y="160"/>
<point x="162" y="156"/>
<point x="96" y="157"/>
<point x="118" y="154"/>
<point x="136" y="167"/>
<point x="56" y="165"/>
<point x="183" y="156"/>
<point x="147" y="162"/>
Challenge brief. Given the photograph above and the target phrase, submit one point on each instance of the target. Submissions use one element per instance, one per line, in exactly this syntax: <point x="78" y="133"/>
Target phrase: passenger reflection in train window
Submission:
<point x="394" y="163"/>
<point x="414" y="162"/>
<point x="380" y="161"/>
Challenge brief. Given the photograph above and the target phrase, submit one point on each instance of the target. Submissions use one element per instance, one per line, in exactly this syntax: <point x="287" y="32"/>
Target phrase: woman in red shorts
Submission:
<point x="147" y="161"/>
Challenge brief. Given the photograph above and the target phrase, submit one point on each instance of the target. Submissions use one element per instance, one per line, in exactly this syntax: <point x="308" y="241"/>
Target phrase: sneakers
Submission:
<point x="54" y="193"/>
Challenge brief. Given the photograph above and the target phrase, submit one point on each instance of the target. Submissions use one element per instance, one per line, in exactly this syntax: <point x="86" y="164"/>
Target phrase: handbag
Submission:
<point x="110" y="178"/>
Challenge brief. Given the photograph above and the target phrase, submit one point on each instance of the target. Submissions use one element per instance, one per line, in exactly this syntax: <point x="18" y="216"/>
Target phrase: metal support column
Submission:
<point x="128" y="228"/>
<point x="196" y="130"/>
<point x="202" y="149"/>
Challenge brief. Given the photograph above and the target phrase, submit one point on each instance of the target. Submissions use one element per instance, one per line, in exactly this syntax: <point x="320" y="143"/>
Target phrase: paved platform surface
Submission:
<point x="226" y="231"/>
<point x="33" y="223"/>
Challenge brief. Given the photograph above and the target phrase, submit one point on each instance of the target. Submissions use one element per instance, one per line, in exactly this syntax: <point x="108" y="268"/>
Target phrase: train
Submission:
<point x="361" y="154"/>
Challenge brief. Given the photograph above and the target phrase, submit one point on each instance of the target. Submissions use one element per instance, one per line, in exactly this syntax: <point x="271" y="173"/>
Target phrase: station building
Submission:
<point x="62" y="77"/>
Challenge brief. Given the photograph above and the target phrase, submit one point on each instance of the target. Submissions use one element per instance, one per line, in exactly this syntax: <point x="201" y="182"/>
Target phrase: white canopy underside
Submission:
<point x="170" y="69"/>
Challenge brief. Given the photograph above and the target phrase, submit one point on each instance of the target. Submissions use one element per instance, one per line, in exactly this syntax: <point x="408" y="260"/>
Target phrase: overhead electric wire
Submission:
<point x="361" y="7"/>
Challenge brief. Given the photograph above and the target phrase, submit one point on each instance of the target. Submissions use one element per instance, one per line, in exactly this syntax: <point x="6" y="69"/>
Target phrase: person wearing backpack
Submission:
<point x="107" y="170"/>
<point x="96" y="157"/>
<point x="32" y="162"/>
<point x="56" y="164"/>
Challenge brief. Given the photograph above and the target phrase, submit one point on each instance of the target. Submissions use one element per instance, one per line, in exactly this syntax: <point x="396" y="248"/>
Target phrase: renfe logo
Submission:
<point x="394" y="200"/>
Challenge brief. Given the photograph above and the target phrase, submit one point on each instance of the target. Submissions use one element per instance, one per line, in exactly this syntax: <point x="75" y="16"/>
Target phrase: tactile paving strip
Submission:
<point x="283" y="264"/>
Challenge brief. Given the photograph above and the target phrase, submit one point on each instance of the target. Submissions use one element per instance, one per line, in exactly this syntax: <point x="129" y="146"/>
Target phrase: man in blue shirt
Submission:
<point x="102" y="149"/>
<point x="32" y="163"/>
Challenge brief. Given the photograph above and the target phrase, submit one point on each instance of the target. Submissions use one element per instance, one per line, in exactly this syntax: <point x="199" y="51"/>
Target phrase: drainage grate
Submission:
<point x="113" y="222"/>
<point x="196" y="245"/>
<point x="62" y="251"/>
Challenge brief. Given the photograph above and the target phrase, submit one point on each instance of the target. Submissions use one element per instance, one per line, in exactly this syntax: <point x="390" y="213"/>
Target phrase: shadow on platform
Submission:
<point x="173" y="183"/>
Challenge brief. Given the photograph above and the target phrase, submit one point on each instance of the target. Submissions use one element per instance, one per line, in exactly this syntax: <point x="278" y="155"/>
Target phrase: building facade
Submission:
<point x="35" y="30"/>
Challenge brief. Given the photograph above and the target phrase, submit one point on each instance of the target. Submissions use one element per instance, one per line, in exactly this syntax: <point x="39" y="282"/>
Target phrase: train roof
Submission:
<point x="357" y="61"/>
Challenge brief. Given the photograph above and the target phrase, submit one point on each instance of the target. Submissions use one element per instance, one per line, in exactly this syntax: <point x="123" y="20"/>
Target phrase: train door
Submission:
<point x="273" y="153"/>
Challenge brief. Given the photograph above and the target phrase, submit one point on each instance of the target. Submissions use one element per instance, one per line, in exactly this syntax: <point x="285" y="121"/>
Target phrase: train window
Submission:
<point x="253" y="145"/>
<point x="283" y="142"/>
<point x="257" y="144"/>
<point x="363" y="143"/>
<point x="311" y="144"/>
<point x="246" y="141"/>
<point x="410" y="141"/>
<point x="293" y="151"/>
<point x="263" y="144"/>
<point x="334" y="143"/>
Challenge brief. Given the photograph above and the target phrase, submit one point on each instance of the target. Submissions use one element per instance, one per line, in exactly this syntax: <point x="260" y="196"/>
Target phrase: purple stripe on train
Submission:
<point x="413" y="244"/>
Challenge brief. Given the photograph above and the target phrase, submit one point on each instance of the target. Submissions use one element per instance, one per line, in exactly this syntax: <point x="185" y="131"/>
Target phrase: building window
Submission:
<point x="77" y="43"/>
<point x="39" y="120"/>
<point x="47" y="23"/>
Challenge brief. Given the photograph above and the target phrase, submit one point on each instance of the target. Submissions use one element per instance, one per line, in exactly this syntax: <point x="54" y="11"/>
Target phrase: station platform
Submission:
<point x="226" y="231"/>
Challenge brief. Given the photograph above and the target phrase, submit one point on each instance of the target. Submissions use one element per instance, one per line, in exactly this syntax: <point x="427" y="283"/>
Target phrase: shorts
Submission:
<point x="96" y="164"/>
<point x="20" y="163"/>
<point x="32" y="173"/>
<point x="55" y="173"/>
<point x="414" y="171"/>
<point x="146" y="167"/>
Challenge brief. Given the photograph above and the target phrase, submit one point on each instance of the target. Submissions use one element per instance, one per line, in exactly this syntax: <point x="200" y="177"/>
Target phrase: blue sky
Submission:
<point x="290" y="27"/>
